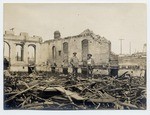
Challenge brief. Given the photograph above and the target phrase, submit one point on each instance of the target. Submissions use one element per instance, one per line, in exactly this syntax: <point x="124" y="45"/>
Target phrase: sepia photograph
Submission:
<point x="74" y="56"/>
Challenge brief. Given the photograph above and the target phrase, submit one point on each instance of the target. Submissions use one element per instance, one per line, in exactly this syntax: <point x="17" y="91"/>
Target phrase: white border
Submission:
<point x="74" y="1"/>
<point x="102" y="112"/>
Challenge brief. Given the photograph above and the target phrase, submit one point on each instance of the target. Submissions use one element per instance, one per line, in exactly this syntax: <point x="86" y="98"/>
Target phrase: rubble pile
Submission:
<point x="64" y="92"/>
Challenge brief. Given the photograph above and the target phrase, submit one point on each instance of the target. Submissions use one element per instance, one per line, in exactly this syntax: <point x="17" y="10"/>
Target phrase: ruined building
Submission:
<point x="58" y="51"/>
<point x="17" y="50"/>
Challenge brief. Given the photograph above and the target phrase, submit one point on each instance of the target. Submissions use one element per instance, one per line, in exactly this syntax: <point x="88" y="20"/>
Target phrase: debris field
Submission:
<point x="55" y="91"/>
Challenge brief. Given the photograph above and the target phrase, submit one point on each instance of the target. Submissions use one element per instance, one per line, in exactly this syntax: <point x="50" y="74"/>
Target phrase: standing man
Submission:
<point x="90" y="65"/>
<point x="75" y="64"/>
<point x="65" y="66"/>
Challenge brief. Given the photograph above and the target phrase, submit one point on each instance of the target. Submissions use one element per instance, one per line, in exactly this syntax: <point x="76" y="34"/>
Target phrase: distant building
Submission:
<point x="135" y="62"/>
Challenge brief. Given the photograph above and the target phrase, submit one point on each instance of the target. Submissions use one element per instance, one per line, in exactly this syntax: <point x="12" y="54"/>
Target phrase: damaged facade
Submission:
<point x="58" y="51"/>
<point x="20" y="62"/>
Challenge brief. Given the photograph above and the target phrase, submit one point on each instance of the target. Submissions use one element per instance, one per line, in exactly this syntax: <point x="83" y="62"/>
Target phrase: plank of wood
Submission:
<point x="128" y="105"/>
<point x="69" y="93"/>
<point x="12" y="97"/>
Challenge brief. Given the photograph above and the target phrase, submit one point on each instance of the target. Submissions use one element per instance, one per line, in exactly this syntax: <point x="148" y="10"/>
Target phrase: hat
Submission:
<point x="74" y="53"/>
<point x="89" y="54"/>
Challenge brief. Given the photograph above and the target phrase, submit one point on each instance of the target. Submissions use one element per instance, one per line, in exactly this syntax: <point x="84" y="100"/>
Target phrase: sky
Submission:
<point x="113" y="21"/>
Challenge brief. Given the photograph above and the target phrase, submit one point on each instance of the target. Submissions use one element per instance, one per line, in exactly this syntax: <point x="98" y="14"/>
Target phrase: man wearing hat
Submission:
<point x="90" y="65"/>
<point x="75" y="64"/>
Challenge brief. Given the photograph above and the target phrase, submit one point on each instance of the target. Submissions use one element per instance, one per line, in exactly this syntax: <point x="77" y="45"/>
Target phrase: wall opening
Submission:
<point x="31" y="54"/>
<point x="65" y="58"/>
<point x="19" y="52"/>
<point x="31" y="69"/>
<point x="6" y="55"/>
<point x="65" y="50"/>
<point x="53" y="53"/>
<point x="59" y="53"/>
<point x="84" y="50"/>
<point x="114" y="72"/>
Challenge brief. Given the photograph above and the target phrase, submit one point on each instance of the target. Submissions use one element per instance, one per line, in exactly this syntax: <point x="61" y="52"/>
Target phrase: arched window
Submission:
<point x="65" y="52"/>
<point x="6" y="51"/>
<point x="31" y="54"/>
<point x="6" y="55"/>
<point x="19" y="52"/>
<point x="84" y="49"/>
<point x="65" y="48"/>
<point x="53" y="52"/>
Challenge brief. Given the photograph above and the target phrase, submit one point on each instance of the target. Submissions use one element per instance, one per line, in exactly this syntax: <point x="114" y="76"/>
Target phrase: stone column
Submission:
<point x="12" y="53"/>
<point x="25" y="53"/>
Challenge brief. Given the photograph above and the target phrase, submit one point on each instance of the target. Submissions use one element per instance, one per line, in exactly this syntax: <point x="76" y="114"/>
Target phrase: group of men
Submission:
<point x="74" y="61"/>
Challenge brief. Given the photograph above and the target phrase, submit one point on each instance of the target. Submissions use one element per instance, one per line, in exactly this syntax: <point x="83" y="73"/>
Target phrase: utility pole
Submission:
<point x="121" y="45"/>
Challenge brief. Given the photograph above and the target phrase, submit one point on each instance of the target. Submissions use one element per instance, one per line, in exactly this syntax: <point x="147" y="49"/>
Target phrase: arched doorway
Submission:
<point x="31" y="57"/>
<point x="53" y="53"/>
<point x="31" y="54"/>
<point x="6" y="52"/>
<point x="19" y="52"/>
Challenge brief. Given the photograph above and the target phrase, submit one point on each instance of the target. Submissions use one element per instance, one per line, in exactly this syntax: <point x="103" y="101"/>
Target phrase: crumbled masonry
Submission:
<point x="55" y="91"/>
